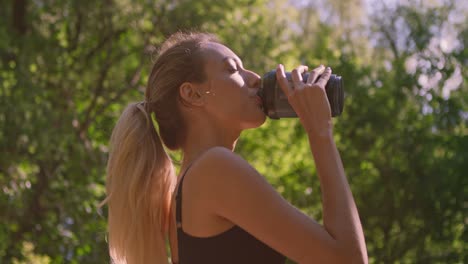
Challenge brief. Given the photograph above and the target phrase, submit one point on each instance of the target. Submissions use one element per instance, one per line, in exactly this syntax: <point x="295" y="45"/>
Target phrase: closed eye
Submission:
<point x="232" y="64"/>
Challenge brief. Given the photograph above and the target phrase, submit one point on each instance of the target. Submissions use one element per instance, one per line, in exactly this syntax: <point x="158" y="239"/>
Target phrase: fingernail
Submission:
<point x="282" y="70"/>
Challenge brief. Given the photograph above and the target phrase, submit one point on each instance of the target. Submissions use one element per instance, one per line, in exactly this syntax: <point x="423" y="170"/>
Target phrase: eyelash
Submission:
<point x="232" y="70"/>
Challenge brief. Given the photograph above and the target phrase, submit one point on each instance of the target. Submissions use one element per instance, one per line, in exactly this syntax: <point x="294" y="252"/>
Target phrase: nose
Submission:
<point x="253" y="80"/>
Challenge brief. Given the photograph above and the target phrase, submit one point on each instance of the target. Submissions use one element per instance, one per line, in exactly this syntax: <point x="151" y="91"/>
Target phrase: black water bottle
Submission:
<point x="275" y="102"/>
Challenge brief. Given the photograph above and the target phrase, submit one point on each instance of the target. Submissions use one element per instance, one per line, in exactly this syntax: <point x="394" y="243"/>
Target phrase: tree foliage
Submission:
<point x="67" y="69"/>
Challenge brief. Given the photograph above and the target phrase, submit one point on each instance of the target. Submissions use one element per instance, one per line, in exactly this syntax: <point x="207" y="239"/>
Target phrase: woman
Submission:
<point x="220" y="209"/>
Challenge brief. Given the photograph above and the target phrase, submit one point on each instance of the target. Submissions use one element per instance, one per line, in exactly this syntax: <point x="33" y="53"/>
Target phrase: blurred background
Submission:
<point x="68" y="68"/>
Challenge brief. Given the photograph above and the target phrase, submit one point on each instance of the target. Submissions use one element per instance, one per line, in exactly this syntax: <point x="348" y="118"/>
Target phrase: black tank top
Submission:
<point x="234" y="246"/>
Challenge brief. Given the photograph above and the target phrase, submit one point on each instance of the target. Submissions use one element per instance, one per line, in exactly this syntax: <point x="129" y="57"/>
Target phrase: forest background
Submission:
<point x="68" y="68"/>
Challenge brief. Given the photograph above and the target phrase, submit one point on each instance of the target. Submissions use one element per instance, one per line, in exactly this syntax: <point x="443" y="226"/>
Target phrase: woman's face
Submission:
<point x="231" y="90"/>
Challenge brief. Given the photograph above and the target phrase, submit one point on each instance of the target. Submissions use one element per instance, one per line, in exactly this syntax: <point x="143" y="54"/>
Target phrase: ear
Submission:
<point x="190" y="94"/>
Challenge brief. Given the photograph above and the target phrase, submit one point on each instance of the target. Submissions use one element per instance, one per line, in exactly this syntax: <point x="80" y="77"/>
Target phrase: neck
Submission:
<point x="201" y="138"/>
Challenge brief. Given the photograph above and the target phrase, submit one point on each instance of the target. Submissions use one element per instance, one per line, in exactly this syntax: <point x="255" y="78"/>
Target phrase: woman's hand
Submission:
<point x="309" y="99"/>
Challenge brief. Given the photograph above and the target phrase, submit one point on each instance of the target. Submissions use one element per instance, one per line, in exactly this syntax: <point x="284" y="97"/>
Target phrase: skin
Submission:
<point x="220" y="109"/>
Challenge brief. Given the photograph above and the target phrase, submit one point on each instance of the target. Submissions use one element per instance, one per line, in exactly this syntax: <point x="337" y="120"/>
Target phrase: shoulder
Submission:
<point x="220" y="173"/>
<point x="226" y="181"/>
<point x="216" y="180"/>
<point x="220" y="166"/>
<point x="220" y="158"/>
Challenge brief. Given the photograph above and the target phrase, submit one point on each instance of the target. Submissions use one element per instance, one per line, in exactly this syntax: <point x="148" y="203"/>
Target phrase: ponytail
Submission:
<point x="140" y="174"/>
<point x="139" y="185"/>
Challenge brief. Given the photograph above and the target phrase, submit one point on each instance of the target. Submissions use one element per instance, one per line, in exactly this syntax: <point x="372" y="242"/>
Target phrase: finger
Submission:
<point x="296" y="76"/>
<point x="315" y="73"/>
<point x="282" y="81"/>
<point x="322" y="81"/>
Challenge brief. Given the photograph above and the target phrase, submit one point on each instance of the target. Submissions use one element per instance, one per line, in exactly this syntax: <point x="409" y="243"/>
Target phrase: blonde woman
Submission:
<point x="220" y="209"/>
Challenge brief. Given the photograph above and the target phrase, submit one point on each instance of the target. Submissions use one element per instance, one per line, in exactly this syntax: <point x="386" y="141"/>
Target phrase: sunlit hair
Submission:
<point x="140" y="174"/>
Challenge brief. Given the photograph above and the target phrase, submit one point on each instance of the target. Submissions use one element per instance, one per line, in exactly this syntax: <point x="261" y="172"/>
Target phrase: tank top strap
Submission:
<point x="179" y="199"/>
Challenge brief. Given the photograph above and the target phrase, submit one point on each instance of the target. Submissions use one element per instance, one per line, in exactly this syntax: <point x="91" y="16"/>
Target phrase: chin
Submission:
<point x="256" y="121"/>
<point x="262" y="120"/>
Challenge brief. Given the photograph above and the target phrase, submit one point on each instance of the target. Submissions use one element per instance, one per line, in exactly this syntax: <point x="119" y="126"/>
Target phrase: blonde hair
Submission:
<point x="140" y="174"/>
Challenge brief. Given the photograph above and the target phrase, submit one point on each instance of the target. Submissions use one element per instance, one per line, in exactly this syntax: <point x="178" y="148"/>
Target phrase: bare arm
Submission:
<point x="341" y="218"/>
<point x="235" y="191"/>
<point x="340" y="215"/>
